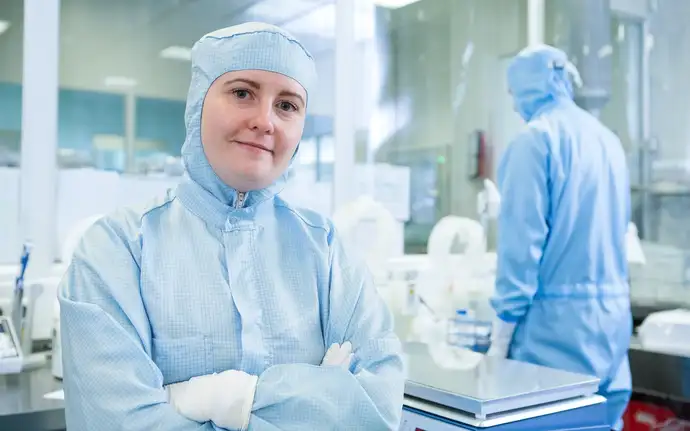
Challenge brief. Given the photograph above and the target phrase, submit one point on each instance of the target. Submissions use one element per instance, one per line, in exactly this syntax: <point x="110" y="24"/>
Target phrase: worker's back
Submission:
<point x="561" y="278"/>
<point x="589" y="207"/>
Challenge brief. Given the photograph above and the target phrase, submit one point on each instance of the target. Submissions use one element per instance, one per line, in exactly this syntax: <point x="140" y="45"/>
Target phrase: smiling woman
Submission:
<point x="251" y="124"/>
<point x="223" y="305"/>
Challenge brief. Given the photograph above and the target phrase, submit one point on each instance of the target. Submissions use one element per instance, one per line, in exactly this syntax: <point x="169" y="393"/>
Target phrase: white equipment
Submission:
<point x="666" y="332"/>
<point x="633" y="245"/>
<point x="368" y="229"/>
<point x="456" y="277"/>
<point x="454" y="289"/>
<point x="488" y="204"/>
<point x="11" y="355"/>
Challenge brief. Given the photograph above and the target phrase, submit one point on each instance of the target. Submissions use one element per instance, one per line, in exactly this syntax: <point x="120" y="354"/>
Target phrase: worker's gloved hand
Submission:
<point x="225" y="398"/>
<point x="501" y="337"/>
<point x="338" y="355"/>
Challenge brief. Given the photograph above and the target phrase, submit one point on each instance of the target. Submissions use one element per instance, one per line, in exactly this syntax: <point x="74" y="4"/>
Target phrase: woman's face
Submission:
<point x="251" y="123"/>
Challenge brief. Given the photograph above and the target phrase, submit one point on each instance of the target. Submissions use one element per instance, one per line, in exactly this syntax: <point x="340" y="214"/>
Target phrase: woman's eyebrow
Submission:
<point x="249" y="82"/>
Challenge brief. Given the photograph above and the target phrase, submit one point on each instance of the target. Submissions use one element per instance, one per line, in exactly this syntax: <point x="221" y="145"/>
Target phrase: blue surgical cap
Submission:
<point x="540" y="75"/>
<point x="248" y="46"/>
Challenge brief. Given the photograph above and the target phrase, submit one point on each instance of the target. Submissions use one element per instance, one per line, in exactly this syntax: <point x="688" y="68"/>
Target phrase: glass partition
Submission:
<point x="638" y="59"/>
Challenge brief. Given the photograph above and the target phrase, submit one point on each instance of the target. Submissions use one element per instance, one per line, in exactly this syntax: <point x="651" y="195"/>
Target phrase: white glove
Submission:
<point x="338" y="355"/>
<point x="225" y="398"/>
<point x="501" y="336"/>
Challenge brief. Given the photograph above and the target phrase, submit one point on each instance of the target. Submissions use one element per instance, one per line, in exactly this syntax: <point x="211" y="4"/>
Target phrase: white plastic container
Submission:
<point x="11" y="357"/>
<point x="666" y="332"/>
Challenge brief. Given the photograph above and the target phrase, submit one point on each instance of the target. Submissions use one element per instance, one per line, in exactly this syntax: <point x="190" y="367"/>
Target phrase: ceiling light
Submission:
<point x="321" y="22"/>
<point x="4" y="25"/>
<point x="268" y="12"/>
<point x="120" y="81"/>
<point x="181" y="53"/>
<point x="393" y="4"/>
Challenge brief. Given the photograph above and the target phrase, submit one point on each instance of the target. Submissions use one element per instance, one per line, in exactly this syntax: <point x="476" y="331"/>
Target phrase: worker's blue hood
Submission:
<point x="539" y="76"/>
<point x="249" y="46"/>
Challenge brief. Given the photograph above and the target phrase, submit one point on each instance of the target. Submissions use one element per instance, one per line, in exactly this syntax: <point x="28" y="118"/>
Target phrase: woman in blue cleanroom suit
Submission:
<point x="562" y="279"/>
<point x="215" y="306"/>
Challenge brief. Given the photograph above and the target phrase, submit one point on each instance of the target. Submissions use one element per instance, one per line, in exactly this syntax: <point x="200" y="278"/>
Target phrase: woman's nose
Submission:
<point x="262" y="119"/>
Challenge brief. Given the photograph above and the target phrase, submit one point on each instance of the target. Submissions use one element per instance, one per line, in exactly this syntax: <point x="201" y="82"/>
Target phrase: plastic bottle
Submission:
<point x="461" y="330"/>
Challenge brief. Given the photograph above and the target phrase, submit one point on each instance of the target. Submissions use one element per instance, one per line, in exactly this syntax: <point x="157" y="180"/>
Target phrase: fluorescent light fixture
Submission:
<point x="394" y="4"/>
<point x="181" y="53"/>
<point x="120" y="82"/>
<point x="266" y="11"/>
<point x="4" y="25"/>
<point x="320" y="21"/>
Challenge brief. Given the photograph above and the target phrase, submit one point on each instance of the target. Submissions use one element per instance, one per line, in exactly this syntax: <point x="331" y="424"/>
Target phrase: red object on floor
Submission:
<point x="642" y="416"/>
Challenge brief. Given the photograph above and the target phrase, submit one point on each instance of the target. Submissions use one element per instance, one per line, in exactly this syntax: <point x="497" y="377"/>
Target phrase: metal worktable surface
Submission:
<point x="22" y="403"/>
<point x="490" y="385"/>
<point x="580" y="413"/>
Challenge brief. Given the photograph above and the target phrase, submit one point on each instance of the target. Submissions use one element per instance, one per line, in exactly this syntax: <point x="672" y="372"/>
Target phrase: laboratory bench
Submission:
<point x="23" y="406"/>
<point x="661" y="379"/>
<point x="494" y="394"/>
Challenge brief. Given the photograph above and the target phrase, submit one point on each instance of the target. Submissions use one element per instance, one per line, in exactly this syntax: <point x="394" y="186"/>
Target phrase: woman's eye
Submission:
<point x="287" y="106"/>
<point x="241" y="94"/>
